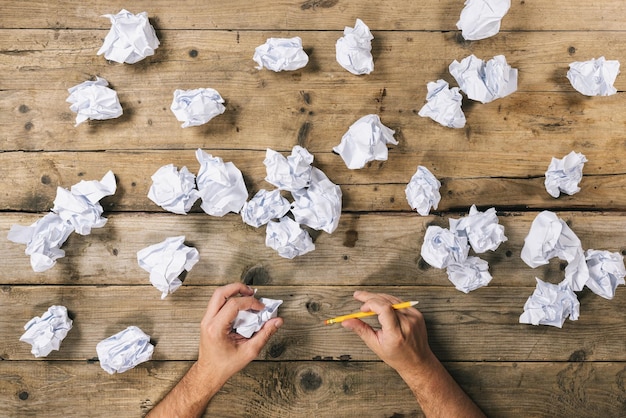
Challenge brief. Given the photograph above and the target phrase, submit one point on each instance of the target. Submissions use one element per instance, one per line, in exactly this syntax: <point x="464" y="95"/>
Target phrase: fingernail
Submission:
<point x="278" y="324"/>
<point x="346" y="326"/>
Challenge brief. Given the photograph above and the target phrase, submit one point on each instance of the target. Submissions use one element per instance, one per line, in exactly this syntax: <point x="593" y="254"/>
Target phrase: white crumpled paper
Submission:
<point x="606" y="272"/>
<point x="166" y="261"/>
<point x="550" y="304"/>
<point x="220" y="185"/>
<point x="247" y="323"/>
<point x="281" y="54"/>
<point x="43" y="240"/>
<point x="422" y="192"/>
<point x="550" y="237"/>
<point x="319" y="205"/>
<point x="594" y="77"/>
<point x="469" y="275"/>
<point x="287" y="238"/>
<point x="131" y="38"/>
<point x="441" y="247"/>
<point x="80" y="206"/>
<point x="124" y="350"/>
<point x="77" y="210"/>
<point x="484" y="81"/>
<point x="292" y="173"/>
<point x="482" y="229"/>
<point x="45" y="333"/>
<point x="263" y="207"/>
<point x="94" y="100"/>
<point x="354" y="49"/>
<point x="481" y="19"/>
<point x="365" y="141"/>
<point x="564" y="174"/>
<point x="443" y="105"/>
<point x="196" y="107"/>
<point x="174" y="190"/>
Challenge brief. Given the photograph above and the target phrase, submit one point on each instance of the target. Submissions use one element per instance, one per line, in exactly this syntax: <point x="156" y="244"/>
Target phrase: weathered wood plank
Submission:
<point x="325" y="389"/>
<point x="57" y="60"/>
<point x="500" y="179"/>
<point x="313" y="107"/>
<point x="313" y="14"/>
<point x="366" y="249"/>
<point x="481" y="326"/>
<point x="524" y="123"/>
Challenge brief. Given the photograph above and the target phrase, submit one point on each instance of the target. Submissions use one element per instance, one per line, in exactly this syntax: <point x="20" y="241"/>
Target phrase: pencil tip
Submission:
<point x="414" y="302"/>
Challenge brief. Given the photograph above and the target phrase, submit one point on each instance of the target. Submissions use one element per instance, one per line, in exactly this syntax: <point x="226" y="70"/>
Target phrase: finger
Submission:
<point x="364" y="331"/>
<point x="225" y="317"/>
<point x="221" y="295"/>
<point x="365" y="297"/>
<point x="258" y="340"/>
<point x="387" y="316"/>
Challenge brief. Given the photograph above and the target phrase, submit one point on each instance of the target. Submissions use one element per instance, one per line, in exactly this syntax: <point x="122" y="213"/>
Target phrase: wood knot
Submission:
<point x="23" y="395"/>
<point x="303" y="134"/>
<point x="578" y="356"/>
<point x="464" y="43"/>
<point x="312" y="306"/>
<point x="45" y="179"/>
<point x="23" y="108"/>
<point x="276" y="350"/>
<point x="256" y="276"/>
<point x="422" y="264"/>
<point x="310" y="381"/>
<point x="306" y="97"/>
<point x="351" y="238"/>
<point x="314" y="4"/>
<point x="193" y="53"/>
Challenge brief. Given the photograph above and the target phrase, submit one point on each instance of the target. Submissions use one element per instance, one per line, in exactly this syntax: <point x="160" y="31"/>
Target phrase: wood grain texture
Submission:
<point x="303" y="389"/>
<point x="313" y="106"/>
<point x="368" y="249"/>
<point x="313" y="14"/>
<point x="481" y="326"/>
<point x="503" y="180"/>
<point x="498" y="159"/>
<point x="58" y="59"/>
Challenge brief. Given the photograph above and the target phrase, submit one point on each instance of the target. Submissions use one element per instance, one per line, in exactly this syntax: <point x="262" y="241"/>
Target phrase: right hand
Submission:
<point x="402" y="342"/>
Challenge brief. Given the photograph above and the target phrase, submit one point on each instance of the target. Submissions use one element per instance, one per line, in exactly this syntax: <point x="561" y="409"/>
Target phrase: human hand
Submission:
<point x="402" y="342"/>
<point x="222" y="352"/>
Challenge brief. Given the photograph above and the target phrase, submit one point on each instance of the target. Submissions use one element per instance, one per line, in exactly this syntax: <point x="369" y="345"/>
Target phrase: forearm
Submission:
<point x="437" y="392"/>
<point x="190" y="397"/>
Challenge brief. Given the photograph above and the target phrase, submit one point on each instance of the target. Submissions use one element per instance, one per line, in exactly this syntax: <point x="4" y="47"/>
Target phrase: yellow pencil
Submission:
<point x="341" y="318"/>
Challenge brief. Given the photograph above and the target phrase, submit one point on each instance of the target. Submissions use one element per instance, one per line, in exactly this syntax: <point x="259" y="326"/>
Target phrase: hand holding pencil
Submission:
<point x="401" y="341"/>
<point x="338" y="319"/>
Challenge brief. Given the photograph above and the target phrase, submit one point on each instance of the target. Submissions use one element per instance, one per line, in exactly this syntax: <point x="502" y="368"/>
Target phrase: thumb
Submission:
<point x="258" y="341"/>
<point x="360" y="328"/>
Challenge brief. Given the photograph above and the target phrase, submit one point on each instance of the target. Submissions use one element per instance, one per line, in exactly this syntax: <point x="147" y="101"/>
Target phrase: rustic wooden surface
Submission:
<point x="498" y="159"/>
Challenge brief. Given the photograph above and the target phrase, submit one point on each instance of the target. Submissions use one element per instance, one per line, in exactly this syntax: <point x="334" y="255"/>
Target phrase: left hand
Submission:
<point x="222" y="352"/>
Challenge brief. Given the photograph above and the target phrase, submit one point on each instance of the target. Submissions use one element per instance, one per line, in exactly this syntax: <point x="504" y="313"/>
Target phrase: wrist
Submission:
<point x="206" y="379"/>
<point x="419" y="372"/>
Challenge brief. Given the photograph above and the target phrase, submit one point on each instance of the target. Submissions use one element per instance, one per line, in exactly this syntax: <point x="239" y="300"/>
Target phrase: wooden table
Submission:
<point x="498" y="160"/>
